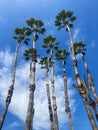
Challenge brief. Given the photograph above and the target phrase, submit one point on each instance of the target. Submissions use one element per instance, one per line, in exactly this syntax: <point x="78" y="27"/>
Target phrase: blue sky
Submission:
<point x="14" y="14"/>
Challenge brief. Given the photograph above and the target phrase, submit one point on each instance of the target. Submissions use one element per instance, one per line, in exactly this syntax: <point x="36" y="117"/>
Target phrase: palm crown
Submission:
<point x="80" y="47"/>
<point x="44" y="62"/>
<point x="50" y="43"/>
<point x="30" y="53"/>
<point x="63" y="18"/>
<point x="21" y="35"/>
<point x="61" y="55"/>
<point x="36" y="26"/>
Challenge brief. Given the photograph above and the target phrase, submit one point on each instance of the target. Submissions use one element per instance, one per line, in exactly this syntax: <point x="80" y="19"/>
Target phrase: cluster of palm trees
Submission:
<point x="85" y="86"/>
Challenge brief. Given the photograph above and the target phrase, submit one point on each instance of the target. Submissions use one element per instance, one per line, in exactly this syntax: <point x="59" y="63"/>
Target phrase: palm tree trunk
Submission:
<point x="11" y="88"/>
<point x="56" y="127"/>
<point x="93" y="105"/>
<point x="74" y="57"/>
<point x="81" y="89"/>
<point x="90" y="115"/>
<point x="90" y="79"/>
<point x="30" y="110"/>
<point x="54" y="105"/>
<point x="67" y="108"/>
<point x="49" y="101"/>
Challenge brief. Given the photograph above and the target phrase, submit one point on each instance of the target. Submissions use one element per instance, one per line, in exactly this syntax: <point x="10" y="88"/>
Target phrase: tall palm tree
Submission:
<point x="51" y="44"/>
<point x="90" y="100"/>
<point x="62" y="55"/>
<point x="20" y="37"/>
<point x="35" y="27"/>
<point x="80" y="48"/>
<point x="64" y="20"/>
<point x="45" y="65"/>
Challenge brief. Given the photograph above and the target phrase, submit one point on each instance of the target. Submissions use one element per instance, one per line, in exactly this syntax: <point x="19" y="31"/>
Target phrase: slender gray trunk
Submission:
<point x="11" y="88"/>
<point x="90" y="115"/>
<point x="56" y="127"/>
<point x="92" y="87"/>
<point x="67" y="108"/>
<point x="74" y="57"/>
<point x="90" y="79"/>
<point x="81" y="89"/>
<point x="49" y="101"/>
<point x="30" y="110"/>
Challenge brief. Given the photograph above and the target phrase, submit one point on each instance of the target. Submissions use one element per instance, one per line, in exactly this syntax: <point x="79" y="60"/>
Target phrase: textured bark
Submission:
<point x="81" y="89"/>
<point x="30" y="110"/>
<point x="49" y="101"/>
<point x="90" y="116"/>
<point x="92" y="104"/>
<point x="67" y="108"/>
<point x="90" y="79"/>
<point x="11" y="88"/>
<point x="74" y="57"/>
<point x="56" y="127"/>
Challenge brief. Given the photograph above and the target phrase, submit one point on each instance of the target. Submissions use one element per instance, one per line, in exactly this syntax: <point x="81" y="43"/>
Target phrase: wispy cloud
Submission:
<point x="19" y="102"/>
<point x="5" y="57"/>
<point x="49" y="22"/>
<point x="76" y="33"/>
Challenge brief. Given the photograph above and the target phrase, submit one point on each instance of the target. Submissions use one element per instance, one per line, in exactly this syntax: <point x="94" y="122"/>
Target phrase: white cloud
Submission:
<point x="6" y="58"/>
<point x="49" y="22"/>
<point x="76" y="33"/>
<point x="19" y="102"/>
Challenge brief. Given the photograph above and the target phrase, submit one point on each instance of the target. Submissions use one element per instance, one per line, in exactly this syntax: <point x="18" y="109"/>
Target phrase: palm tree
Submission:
<point x="90" y="100"/>
<point x="80" y="48"/>
<point x="62" y="55"/>
<point x="64" y="20"/>
<point x="36" y="27"/>
<point x="45" y="65"/>
<point x="20" y="37"/>
<point x="50" y="44"/>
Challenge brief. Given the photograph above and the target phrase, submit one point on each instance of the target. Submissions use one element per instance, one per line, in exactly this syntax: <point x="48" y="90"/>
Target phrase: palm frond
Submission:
<point x="75" y="85"/>
<point x="48" y="51"/>
<point x="30" y="22"/>
<point x="63" y="18"/>
<point x="80" y="47"/>
<point x="26" y="41"/>
<point x="36" y="25"/>
<point x="42" y="30"/>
